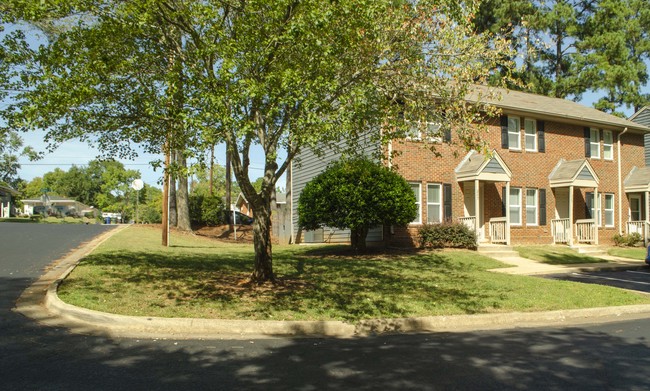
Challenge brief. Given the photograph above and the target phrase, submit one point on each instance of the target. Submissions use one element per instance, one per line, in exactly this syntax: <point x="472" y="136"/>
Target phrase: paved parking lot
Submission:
<point x="638" y="279"/>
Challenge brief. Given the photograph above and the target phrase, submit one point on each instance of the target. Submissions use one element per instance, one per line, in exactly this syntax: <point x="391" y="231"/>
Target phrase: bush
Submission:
<point x="454" y="235"/>
<point x="631" y="240"/>
<point x="207" y="210"/>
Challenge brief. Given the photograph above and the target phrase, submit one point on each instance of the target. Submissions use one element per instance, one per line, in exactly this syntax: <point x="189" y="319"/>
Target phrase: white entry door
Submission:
<point x="469" y="199"/>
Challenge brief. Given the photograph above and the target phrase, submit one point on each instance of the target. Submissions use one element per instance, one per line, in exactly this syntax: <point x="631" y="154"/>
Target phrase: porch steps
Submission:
<point x="593" y="251"/>
<point x="497" y="251"/>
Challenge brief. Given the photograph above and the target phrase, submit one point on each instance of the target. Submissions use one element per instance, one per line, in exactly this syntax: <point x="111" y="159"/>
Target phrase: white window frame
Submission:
<point x="534" y="208"/>
<point x="594" y="144"/>
<point x="517" y="206"/>
<point x="606" y="211"/>
<point x="415" y="134"/>
<point x="530" y="136"/>
<point x="512" y="131"/>
<point x="437" y="205"/>
<point x="418" y="202"/>
<point x="608" y="147"/>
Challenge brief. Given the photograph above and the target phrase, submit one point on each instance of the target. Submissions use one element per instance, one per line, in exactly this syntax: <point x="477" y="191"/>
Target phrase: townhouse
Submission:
<point x="557" y="172"/>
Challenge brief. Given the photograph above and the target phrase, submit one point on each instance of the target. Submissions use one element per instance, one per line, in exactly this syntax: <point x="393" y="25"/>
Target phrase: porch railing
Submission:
<point x="640" y="227"/>
<point x="561" y="230"/>
<point x="586" y="231"/>
<point x="498" y="230"/>
<point x="470" y="222"/>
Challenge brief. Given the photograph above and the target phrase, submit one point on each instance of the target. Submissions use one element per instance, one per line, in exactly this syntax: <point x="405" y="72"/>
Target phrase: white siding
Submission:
<point x="305" y="167"/>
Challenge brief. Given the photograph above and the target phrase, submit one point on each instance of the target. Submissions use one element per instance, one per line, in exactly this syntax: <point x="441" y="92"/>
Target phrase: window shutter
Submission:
<point x="447" y="135"/>
<point x="504" y="131"/>
<point x="503" y="201"/>
<point x="541" y="145"/>
<point x="589" y="199"/>
<point x="587" y="142"/>
<point x="542" y="206"/>
<point x="446" y="196"/>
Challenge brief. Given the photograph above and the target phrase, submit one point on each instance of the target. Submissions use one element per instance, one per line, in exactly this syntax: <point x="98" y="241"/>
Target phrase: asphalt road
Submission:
<point x="636" y="279"/>
<point x="614" y="356"/>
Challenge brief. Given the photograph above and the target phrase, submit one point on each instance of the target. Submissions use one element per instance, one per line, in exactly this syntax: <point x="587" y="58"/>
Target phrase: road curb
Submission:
<point x="41" y="302"/>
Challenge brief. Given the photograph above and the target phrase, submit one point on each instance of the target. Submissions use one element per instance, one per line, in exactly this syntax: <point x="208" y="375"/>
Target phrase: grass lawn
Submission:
<point x="132" y="274"/>
<point x="628" y="252"/>
<point x="555" y="255"/>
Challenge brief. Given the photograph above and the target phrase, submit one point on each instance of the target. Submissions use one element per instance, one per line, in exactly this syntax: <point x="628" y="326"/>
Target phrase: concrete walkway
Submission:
<point x="41" y="303"/>
<point x="525" y="266"/>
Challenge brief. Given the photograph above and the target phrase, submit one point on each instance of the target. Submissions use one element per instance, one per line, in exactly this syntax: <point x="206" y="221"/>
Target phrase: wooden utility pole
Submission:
<point x="228" y="189"/>
<point x="165" y="201"/>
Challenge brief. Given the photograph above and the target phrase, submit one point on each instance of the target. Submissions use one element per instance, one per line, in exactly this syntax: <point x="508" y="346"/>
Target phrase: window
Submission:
<point x="609" y="210"/>
<point x="594" y="143"/>
<point x="515" y="206"/>
<point x="514" y="129"/>
<point x="434" y="203"/>
<point x="531" y="206"/>
<point x="530" y="137"/>
<point x="432" y="132"/>
<point x="608" y="145"/>
<point x="418" y="201"/>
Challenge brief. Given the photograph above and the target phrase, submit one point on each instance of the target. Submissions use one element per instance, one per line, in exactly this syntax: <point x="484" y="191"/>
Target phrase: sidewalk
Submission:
<point x="524" y="266"/>
<point x="41" y="303"/>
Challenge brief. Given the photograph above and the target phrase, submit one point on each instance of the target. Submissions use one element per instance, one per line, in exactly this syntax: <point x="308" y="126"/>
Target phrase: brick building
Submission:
<point x="558" y="172"/>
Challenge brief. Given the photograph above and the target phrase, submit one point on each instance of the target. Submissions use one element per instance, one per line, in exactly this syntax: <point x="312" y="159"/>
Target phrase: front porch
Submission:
<point x="565" y="179"/>
<point x="637" y="190"/>
<point x="476" y="173"/>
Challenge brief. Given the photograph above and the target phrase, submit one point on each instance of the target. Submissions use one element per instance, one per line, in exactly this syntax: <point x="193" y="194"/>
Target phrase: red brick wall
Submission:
<point x="416" y="163"/>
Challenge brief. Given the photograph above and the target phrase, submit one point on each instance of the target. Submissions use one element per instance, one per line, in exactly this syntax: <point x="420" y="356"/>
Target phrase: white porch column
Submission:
<point x="597" y="214"/>
<point x="477" y="204"/>
<point x="507" y="202"/>
<point x="571" y="216"/>
<point x="647" y="219"/>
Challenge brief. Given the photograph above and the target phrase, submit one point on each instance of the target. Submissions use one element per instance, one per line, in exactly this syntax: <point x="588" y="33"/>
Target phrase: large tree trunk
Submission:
<point x="358" y="239"/>
<point x="182" y="197"/>
<point x="262" y="242"/>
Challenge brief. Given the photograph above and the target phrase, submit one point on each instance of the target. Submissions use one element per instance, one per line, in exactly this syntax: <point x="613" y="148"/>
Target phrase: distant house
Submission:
<point x="58" y="205"/>
<point x="243" y="206"/>
<point x="6" y="201"/>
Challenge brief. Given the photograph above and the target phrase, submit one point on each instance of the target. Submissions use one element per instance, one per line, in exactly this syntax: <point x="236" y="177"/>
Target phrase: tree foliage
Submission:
<point x="566" y="48"/>
<point x="357" y="195"/>
<point x="284" y="75"/>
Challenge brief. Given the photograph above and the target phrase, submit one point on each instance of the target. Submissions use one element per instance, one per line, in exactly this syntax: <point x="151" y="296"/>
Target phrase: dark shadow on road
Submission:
<point x="34" y="358"/>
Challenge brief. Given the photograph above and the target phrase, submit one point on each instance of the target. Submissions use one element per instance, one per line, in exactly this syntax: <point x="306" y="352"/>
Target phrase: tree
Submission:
<point x="613" y="53"/>
<point x="356" y="194"/>
<point x="271" y="73"/>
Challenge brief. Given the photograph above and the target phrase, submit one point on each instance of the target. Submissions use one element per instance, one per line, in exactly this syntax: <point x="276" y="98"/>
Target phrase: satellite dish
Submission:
<point x="137" y="184"/>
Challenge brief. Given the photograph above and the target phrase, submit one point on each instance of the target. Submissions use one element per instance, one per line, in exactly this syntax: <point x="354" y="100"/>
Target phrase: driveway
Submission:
<point x="634" y="279"/>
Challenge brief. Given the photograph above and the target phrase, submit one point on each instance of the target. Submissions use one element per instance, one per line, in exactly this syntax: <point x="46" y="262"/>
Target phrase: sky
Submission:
<point x="80" y="153"/>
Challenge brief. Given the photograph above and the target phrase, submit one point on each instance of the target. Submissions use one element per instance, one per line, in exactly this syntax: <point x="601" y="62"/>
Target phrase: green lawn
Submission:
<point x="628" y="252"/>
<point x="132" y="274"/>
<point x="555" y="255"/>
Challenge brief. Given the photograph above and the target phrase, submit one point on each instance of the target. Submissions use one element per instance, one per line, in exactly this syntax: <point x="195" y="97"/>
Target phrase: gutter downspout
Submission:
<point x="620" y="183"/>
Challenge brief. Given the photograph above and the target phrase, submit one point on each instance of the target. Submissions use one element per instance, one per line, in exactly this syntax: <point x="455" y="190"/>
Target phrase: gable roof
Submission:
<point x="8" y="190"/>
<point x="544" y="107"/>
<point x="573" y="173"/>
<point x="638" y="180"/>
<point x="484" y="168"/>
<point x="642" y="116"/>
